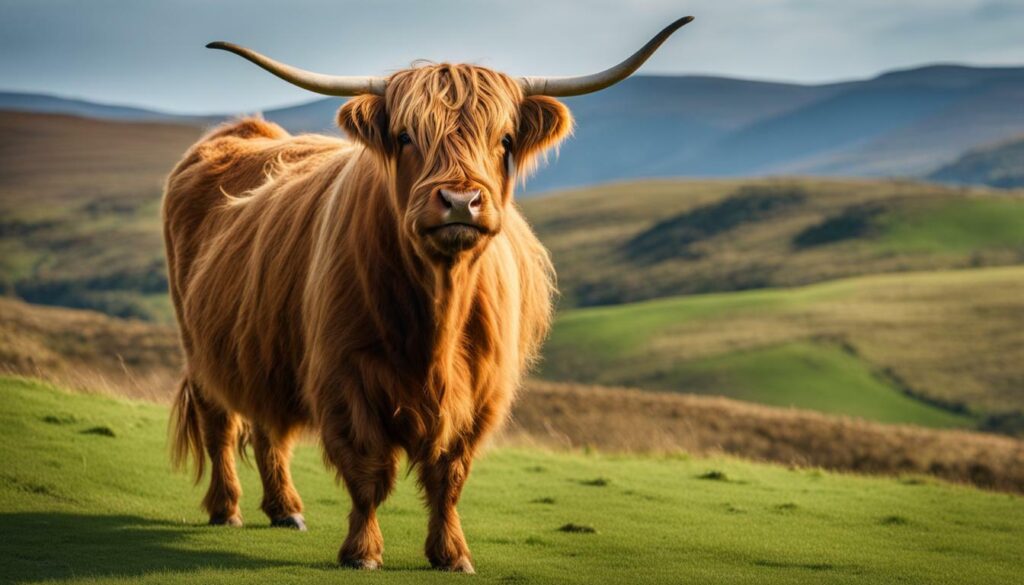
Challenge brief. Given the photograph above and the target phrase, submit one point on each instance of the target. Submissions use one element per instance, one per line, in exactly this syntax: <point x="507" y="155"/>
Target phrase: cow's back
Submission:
<point x="239" y="210"/>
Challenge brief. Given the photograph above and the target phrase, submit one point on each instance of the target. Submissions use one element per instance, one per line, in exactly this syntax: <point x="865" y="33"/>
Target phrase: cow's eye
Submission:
<point x="507" y="142"/>
<point x="404" y="139"/>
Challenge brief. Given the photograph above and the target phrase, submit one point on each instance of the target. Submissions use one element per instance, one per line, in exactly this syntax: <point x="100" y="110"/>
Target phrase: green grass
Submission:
<point x="81" y="506"/>
<point x="859" y="346"/>
<point x="813" y="376"/>
<point x="624" y="330"/>
<point x="957" y="226"/>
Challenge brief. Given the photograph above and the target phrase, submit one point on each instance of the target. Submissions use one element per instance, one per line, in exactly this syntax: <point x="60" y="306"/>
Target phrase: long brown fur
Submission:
<point x="309" y="295"/>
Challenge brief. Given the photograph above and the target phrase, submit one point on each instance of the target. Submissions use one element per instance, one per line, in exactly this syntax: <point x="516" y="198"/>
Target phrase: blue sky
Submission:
<point x="150" y="53"/>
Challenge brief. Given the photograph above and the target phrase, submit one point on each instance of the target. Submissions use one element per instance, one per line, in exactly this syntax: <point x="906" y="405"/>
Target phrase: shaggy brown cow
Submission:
<point x="385" y="292"/>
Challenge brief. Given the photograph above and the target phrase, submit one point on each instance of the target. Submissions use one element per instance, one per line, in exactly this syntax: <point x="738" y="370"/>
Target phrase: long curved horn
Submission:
<point x="326" y="84"/>
<point x="569" y="86"/>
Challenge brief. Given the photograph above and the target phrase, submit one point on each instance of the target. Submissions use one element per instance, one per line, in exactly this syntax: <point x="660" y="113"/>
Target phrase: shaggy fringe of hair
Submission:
<point x="479" y="105"/>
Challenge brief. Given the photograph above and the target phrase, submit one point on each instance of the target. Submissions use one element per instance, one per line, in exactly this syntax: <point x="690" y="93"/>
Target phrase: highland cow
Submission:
<point x="384" y="292"/>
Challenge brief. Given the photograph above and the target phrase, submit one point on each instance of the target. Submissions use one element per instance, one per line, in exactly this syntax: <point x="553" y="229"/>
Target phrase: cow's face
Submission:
<point x="452" y="140"/>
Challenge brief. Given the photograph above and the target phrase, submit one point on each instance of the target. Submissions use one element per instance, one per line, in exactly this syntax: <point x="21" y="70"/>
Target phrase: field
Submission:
<point x="80" y="206"/>
<point x="932" y="348"/>
<point x="80" y="229"/>
<point x="627" y="242"/>
<point x="87" y="497"/>
<point x="90" y="352"/>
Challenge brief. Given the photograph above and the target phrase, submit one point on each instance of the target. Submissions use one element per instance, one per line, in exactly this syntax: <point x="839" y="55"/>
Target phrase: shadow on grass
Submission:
<point x="50" y="545"/>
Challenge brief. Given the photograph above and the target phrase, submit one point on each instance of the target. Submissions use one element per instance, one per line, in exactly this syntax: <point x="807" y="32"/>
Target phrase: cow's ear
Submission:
<point x="364" y="118"/>
<point x="543" y="123"/>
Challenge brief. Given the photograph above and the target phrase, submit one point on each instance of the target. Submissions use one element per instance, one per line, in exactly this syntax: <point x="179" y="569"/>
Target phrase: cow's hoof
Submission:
<point x="362" y="564"/>
<point x="295" y="521"/>
<point x="234" y="521"/>
<point x="461" y="565"/>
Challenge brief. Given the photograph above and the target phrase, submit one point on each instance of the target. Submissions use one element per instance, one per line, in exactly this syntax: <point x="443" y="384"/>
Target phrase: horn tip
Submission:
<point x="217" y="45"/>
<point x="685" y="20"/>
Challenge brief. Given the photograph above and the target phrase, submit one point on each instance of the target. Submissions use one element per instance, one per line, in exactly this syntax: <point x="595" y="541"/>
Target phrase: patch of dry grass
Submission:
<point x="576" y="416"/>
<point x="89" y="351"/>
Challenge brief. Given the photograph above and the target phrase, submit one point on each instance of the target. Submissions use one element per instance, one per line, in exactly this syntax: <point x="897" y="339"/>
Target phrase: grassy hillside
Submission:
<point x="91" y="352"/>
<point x="999" y="165"/>
<point x="80" y="227"/>
<point x="862" y="346"/>
<point x="86" y="496"/>
<point x="80" y="207"/>
<point x="86" y="350"/>
<point x="816" y="377"/>
<point x="627" y="242"/>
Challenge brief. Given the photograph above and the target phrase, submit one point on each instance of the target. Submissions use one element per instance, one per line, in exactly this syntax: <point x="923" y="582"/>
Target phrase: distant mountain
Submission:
<point x="965" y="108"/>
<point x="645" y="125"/>
<point x="901" y="123"/>
<point x="49" y="104"/>
<point x="1000" y="165"/>
<point x="317" y="116"/>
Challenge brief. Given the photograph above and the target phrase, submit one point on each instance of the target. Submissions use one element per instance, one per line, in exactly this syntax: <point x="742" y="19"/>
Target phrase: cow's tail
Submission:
<point x="186" y="430"/>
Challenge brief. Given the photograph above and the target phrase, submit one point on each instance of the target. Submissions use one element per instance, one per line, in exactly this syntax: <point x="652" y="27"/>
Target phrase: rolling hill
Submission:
<point x="87" y="497"/>
<point x="80" y="207"/>
<point x="52" y="104"/>
<point x="627" y="242"/>
<point x="93" y="353"/>
<point x="80" y="227"/>
<point x="932" y="348"/>
<point x="901" y="123"/>
<point x="999" y="165"/>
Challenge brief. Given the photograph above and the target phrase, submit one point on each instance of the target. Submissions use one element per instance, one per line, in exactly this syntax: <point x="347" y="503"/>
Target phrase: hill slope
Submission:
<point x="626" y="242"/>
<point x="87" y="498"/>
<point x="51" y="104"/>
<point x="90" y="352"/>
<point x="921" y="348"/>
<point x="80" y="206"/>
<point x="999" y="165"/>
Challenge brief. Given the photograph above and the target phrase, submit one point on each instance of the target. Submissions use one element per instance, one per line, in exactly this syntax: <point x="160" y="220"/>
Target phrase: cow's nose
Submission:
<point x="461" y="206"/>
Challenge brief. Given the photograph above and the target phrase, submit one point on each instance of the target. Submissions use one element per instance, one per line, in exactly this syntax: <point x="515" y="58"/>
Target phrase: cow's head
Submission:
<point x="453" y="139"/>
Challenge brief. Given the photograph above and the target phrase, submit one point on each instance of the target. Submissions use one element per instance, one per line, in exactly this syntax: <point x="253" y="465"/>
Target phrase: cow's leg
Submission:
<point x="220" y="435"/>
<point x="273" y="457"/>
<point x="368" y="468"/>
<point x="442" y="482"/>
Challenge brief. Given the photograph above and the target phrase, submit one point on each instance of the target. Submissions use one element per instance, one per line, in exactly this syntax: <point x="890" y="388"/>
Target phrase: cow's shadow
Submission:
<point x="50" y="545"/>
